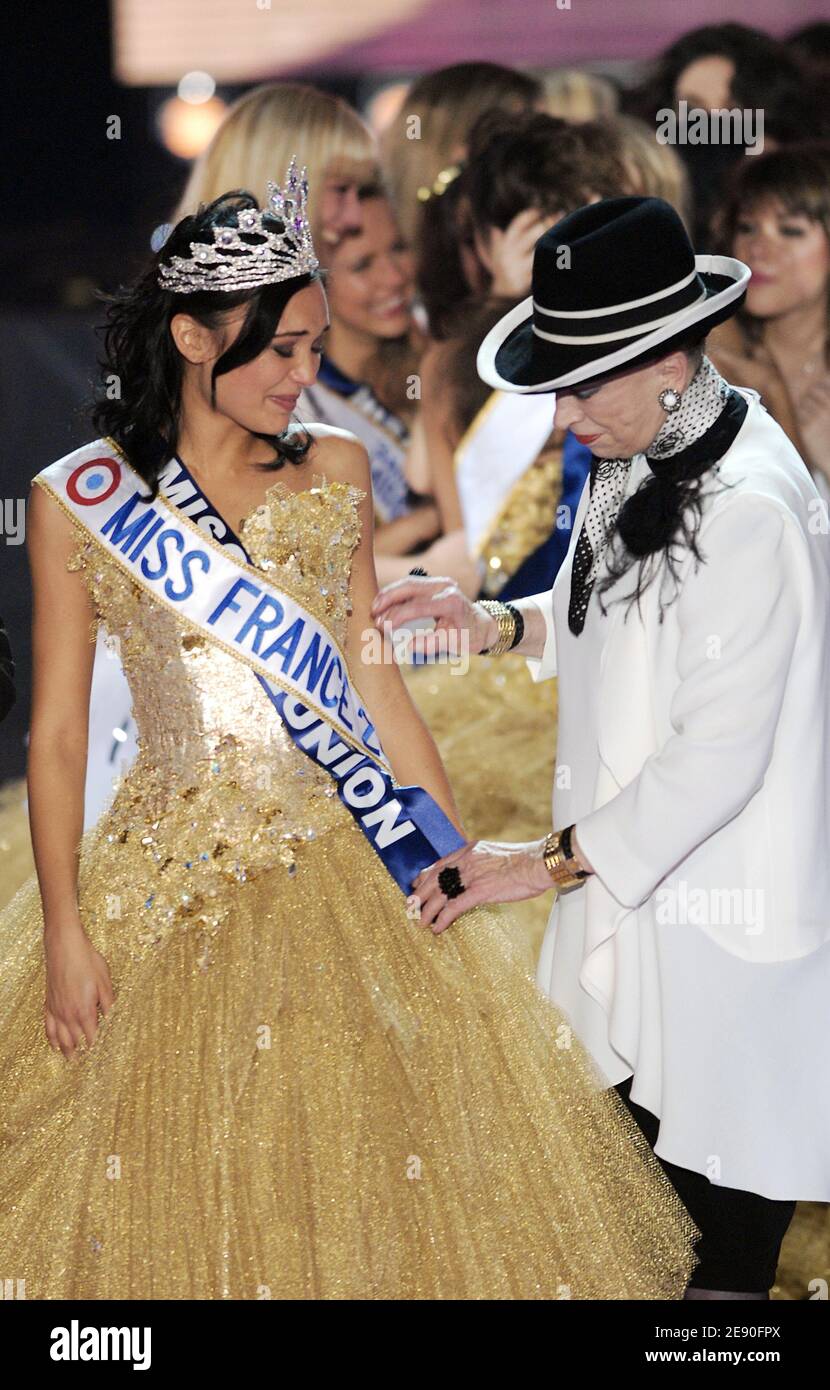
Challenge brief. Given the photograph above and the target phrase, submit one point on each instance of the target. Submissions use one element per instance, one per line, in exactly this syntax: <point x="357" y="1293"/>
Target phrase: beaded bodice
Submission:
<point x="219" y="791"/>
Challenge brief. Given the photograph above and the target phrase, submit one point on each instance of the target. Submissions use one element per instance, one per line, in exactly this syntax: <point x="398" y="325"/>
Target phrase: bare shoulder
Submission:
<point x="47" y="524"/>
<point x="339" y="455"/>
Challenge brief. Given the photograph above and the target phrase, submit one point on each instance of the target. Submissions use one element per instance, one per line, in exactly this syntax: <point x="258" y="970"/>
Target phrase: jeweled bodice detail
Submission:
<point x="218" y="791"/>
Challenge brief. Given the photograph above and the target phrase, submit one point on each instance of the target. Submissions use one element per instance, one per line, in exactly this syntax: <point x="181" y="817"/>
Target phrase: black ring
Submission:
<point x="449" y="881"/>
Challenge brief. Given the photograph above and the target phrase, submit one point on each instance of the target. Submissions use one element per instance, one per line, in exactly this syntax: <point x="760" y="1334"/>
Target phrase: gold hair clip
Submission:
<point x="441" y="183"/>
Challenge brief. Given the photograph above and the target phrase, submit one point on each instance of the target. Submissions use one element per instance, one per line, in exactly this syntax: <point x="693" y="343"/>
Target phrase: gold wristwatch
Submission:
<point x="560" y="860"/>
<point x="506" y="623"/>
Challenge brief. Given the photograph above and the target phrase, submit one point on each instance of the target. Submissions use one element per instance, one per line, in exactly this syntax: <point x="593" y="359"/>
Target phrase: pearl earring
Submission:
<point x="669" y="400"/>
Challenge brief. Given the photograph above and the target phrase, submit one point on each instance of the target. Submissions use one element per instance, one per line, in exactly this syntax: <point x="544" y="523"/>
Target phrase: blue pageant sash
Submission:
<point x="186" y="556"/>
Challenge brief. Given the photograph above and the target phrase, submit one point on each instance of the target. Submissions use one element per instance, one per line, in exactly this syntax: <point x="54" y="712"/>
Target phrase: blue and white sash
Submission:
<point x="195" y="566"/>
<point x="335" y="400"/>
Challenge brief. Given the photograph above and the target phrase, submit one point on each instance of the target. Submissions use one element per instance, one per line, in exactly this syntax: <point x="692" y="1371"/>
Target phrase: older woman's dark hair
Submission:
<point x="658" y="525"/>
<point x="516" y="162"/>
<point x="811" y="45"/>
<point x="768" y="76"/>
<point x="142" y="370"/>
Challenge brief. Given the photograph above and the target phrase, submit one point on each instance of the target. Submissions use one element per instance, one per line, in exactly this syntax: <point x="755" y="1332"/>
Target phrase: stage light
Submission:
<point x="186" y="129"/>
<point x="196" y="87"/>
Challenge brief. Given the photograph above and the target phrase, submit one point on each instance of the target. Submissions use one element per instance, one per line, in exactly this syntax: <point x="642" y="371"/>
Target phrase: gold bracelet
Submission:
<point x="506" y="624"/>
<point x="560" y="862"/>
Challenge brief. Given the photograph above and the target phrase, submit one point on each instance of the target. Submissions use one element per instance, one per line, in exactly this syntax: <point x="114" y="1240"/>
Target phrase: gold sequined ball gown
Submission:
<point x="298" y="1092"/>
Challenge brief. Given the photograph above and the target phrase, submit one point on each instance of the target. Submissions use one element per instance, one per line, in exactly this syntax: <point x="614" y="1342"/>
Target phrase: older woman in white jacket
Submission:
<point x="689" y="942"/>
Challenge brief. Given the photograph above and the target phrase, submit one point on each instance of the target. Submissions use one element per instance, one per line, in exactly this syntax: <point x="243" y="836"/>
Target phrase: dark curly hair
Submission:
<point x="517" y="161"/>
<point x="767" y="75"/>
<point x="141" y="356"/>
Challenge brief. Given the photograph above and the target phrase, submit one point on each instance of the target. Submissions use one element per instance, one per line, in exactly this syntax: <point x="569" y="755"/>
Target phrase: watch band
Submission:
<point x="511" y="626"/>
<point x="560" y="862"/>
<point x="506" y="622"/>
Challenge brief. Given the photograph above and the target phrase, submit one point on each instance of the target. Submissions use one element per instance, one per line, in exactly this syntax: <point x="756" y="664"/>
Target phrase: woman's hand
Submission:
<point x="510" y="253"/>
<point x="441" y="599"/>
<point x="77" y="984"/>
<point x="491" y="873"/>
<point x="813" y="413"/>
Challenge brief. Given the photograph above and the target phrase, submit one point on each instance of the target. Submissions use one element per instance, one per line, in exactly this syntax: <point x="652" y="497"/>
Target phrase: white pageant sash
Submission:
<point x="363" y="414"/>
<point x="500" y="444"/>
<point x="230" y="601"/>
<point x="186" y="569"/>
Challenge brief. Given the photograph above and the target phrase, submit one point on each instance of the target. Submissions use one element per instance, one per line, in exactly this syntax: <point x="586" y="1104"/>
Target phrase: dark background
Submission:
<point x="78" y="211"/>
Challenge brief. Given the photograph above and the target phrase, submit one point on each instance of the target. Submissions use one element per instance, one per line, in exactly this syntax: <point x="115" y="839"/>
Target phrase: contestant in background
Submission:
<point x="263" y="129"/>
<point x="777" y="219"/>
<point x="499" y="469"/>
<point x="420" y="151"/>
<point x="654" y="170"/>
<point x="368" y="383"/>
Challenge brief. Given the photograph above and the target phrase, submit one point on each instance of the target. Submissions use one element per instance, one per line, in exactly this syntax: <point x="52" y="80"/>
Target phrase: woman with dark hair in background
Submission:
<point x="295" y="1091"/>
<point x="521" y="174"/>
<point x="811" y="46"/>
<point x="723" y="67"/>
<point x="776" y="218"/>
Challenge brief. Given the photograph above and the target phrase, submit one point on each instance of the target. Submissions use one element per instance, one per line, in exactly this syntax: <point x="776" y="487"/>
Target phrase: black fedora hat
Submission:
<point x="612" y="283"/>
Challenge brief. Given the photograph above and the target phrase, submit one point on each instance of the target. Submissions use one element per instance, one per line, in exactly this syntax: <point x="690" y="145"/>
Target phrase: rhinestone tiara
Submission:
<point x="232" y="263"/>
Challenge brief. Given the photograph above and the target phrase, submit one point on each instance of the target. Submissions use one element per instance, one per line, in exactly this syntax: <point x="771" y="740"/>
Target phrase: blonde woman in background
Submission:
<point x="654" y="170"/>
<point x="364" y="384"/>
<point x="578" y="96"/>
<point x="429" y="132"/>
<point x="259" y="135"/>
<point x="421" y="152"/>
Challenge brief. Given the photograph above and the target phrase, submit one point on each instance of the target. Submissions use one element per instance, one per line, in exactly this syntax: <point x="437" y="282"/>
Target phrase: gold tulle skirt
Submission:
<point x="496" y="732"/>
<point x="339" y="1105"/>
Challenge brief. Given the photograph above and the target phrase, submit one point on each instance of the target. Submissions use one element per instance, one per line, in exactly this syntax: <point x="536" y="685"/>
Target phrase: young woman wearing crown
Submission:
<point x="260" y="1075"/>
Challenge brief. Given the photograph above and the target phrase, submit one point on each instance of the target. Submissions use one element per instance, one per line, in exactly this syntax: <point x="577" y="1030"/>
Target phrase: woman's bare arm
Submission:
<point x="399" y="537"/>
<point x="63" y="654"/>
<point x="78" y="983"/>
<point x="438" y="436"/>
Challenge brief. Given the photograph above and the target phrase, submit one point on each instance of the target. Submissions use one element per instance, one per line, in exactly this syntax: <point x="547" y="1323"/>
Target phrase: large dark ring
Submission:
<point x="449" y="881"/>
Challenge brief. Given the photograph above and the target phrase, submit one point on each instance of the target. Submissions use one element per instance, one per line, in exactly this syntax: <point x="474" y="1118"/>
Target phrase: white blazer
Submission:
<point x="713" y="727"/>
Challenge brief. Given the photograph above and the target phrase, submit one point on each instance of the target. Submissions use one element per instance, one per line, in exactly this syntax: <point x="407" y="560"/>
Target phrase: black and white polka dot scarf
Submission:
<point x="701" y="404"/>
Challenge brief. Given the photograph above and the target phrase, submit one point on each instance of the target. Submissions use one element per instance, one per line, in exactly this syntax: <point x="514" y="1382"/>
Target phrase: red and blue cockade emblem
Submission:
<point x="93" y="481"/>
